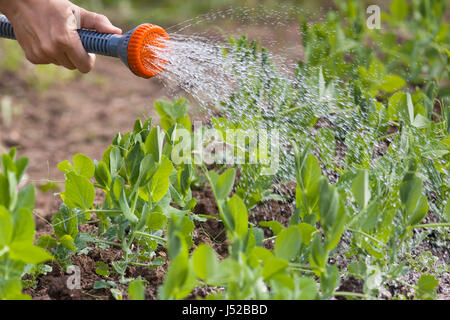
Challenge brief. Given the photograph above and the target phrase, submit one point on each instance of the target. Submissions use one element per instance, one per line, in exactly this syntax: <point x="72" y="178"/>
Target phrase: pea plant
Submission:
<point x="18" y="253"/>
<point x="365" y="158"/>
<point x="141" y="191"/>
<point x="368" y="207"/>
<point x="302" y="252"/>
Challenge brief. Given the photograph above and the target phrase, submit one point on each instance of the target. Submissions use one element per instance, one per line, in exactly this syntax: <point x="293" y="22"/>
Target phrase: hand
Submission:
<point x="47" y="31"/>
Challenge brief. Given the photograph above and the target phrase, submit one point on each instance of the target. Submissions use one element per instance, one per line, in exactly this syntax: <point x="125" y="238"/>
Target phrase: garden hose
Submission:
<point x="136" y="48"/>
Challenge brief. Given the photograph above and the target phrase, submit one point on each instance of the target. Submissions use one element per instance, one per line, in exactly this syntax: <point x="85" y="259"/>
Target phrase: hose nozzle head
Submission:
<point x="143" y="45"/>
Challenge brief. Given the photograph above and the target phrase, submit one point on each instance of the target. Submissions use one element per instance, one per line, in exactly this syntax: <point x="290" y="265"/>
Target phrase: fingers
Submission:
<point x="38" y="54"/>
<point x="97" y="22"/>
<point x="56" y="56"/>
<point x="75" y="52"/>
<point x="73" y="47"/>
<point x="57" y="41"/>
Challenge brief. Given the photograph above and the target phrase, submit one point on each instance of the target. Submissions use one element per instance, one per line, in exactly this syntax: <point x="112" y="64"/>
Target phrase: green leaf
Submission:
<point x="21" y="166"/>
<point x="119" y="195"/>
<point x="396" y="105"/>
<point x="46" y="242"/>
<point x="79" y="193"/>
<point x="392" y="83"/>
<point x="328" y="204"/>
<point x="115" y="161"/>
<point x="239" y="215"/>
<point x="275" y="226"/>
<point x="103" y="285"/>
<point x="102" y="175"/>
<point x="28" y="253"/>
<point x="159" y="184"/>
<point x="65" y="166"/>
<point x="68" y="242"/>
<point x="224" y="184"/>
<point x="318" y="256"/>
<point x="370" y="218"/>
<point x="205" y="262"/>
<point x="287" y="243"/>
<point x="273" y="266"/>
<point x="360" y="188"/>
<point x="24" y="228"/>
<point x="420" y="121"/>
<point x="306" y="231"/>
<point x="4" y="191"/>
<point x="6" y="227"/>
<point x="426" y="287"/>
<point x="329" y="281"/>
<point x="136" y="290"/>
<point x="399" y="9"/>
<point x="12" y="290"/>
<point x="147" y="168"/>
<point x="419" y="212"/>
<point x="83" y="165"/>
<point x="154" y="143"/>
<point x="133" y="163"/>
<point x="156" y="220"/>
<point x="176" y="110"/>
<point x="65" y="222"/>
<point x="26" y="198"/>
<point x="306" y="288"/>
<point x="416" y="205"/>
<point x="102" y="269"/>
<point x="179" y="281"/>
<point x="308" y="183"/>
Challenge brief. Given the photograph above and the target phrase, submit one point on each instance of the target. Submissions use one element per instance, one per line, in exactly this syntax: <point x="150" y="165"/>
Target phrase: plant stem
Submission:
<point x="93" y="221"/>
<point x="354" y="294"/>
<point x="387" y="136"/>
<point x="139" y="233"/>
<point x="430" y="225"/>
<point x="301" y="269"/>
<point x="299" y="265"/>
<point x="108" y="242"/>
<point x="367" y="235"/>
<point x="406" y="284"/>
<point x="103" y="211"/>
<point x="138" y="264"/>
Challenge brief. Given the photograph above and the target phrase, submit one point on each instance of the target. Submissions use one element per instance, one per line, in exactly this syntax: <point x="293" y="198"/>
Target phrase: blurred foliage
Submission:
<point x="412" y="42"/>
<point x="168" y="12"/>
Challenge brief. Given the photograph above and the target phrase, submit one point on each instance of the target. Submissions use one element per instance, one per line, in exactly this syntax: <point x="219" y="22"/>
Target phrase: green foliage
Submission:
<point x="17" y="229"/>
<point x="136" y="290"/>
<point x="364" y="180"/>
<point x="143" y="192"/>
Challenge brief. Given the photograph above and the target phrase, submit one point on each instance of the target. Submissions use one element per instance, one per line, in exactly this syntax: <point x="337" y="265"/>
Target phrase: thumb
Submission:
<point x="97" y="22"/>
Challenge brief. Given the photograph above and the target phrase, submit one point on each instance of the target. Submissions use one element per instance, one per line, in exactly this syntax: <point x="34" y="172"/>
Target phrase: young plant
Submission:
<point x="17" y="230"/>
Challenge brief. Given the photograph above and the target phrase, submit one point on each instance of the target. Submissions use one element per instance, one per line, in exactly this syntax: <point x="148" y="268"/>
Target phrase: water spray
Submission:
<point x="136" y="48"/>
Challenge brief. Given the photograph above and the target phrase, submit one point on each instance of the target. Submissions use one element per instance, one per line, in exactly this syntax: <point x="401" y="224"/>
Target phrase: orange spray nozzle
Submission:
<point x="142" y="51"/>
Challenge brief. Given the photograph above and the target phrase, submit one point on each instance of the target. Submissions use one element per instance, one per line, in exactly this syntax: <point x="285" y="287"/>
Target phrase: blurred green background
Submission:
<point x="169" y="12"/>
